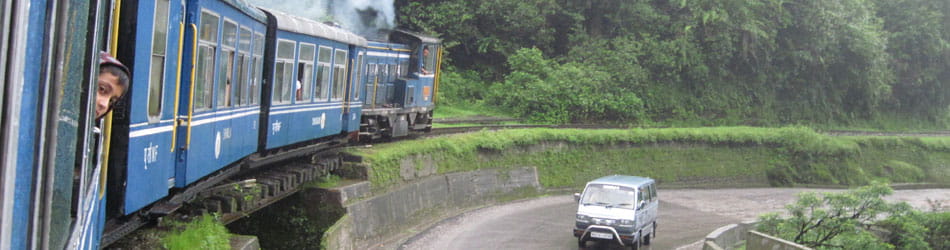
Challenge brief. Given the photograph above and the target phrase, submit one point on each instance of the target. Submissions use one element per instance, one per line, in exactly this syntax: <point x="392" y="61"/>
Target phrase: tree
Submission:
<point x="834" y="220"/>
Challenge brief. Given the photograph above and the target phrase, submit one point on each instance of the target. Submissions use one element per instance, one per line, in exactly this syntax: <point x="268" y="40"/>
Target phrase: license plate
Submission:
<point x="601" y="235"/>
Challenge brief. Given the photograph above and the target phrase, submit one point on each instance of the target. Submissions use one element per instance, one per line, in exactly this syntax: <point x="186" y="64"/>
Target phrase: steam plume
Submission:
<point x="364" y="17"/>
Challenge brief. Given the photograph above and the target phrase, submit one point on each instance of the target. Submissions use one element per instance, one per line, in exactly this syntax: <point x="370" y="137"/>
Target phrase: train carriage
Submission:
<point x="205" y="99"/>
<point x="400" y="85"/>
<point x="49" y="176"/>
<point x="311" y="73"/>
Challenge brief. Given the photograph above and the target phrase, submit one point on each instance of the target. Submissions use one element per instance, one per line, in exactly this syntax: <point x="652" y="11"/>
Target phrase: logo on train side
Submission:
<point x="217" y="144"/>
<point x="275" y="127"/>
<point x="150" y="155"/>
<point x="322" y="120"/>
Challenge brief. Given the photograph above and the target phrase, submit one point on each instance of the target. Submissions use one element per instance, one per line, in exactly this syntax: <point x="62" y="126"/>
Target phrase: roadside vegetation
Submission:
<point x="851" y="64"/>
<point x="858" y="219"/>
<point x="768" y="156"/>
<point x="204" y="232"/>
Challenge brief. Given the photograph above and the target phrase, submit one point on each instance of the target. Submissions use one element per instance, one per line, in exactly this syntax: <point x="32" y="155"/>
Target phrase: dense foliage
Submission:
<point x="852" y="220"/>
<point x="203" y="232"/>
<point x="697" y="62"/>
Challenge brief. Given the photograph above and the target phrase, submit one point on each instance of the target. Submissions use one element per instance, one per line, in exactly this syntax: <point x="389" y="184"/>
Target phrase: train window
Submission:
<point x="258" y="65"/>
<point x="339" y="74"/>
<point x="323" y="73"/>
<point x="284" y="71"/>
<point x="226" y="67"/>
<point x="359" y="76"/>
<point x="207" y="46"/>
<point x="392" y="72"/>
<point x="370" y="81"/>
<point x="243" y="66"/>
<point x="244" y="44"/>
<point x="428" y="58"/>
<point x="157" y="74"/>
<point x="404" y="68"/>
<point x="305" y="72"/>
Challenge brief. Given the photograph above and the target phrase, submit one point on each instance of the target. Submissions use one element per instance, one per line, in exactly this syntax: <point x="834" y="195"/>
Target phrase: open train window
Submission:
<point x="258" y="65"/>
<point x="323" y="73"/>
<point x="243" y="66"/>
<point x="429" y="55"/>
<point x="284" y="69"/>
<point x="226" y="67"/>
<point x="305" y="72"/>
<point x="339" y="74"/>
<point x="207" y="46"/>
<point x="157" y="75"/>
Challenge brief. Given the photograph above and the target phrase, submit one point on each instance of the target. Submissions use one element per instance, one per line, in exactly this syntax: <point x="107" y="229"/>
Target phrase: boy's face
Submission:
<point x="107" y="93"/>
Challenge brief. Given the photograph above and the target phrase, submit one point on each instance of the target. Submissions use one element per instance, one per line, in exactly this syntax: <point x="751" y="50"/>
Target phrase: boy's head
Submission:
<point x="112" y="84"/>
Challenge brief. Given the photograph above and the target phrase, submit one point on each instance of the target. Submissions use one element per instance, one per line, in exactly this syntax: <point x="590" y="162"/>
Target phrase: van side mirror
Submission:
<point x="577" y="197"/>
<point x="641" y="205"/>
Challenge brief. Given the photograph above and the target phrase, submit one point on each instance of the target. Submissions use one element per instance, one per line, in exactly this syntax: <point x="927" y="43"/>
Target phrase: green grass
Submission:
<point x="204" y="232"/>
<point x="568" y="157"/>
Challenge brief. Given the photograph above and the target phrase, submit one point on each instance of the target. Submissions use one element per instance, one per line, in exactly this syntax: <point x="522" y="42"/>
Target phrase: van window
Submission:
<point x="609" y="195"/>
<point x="653" y="191"/>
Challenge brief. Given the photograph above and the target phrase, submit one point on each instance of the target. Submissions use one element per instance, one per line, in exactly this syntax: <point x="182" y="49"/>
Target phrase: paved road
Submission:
<point x="686" y="216"/>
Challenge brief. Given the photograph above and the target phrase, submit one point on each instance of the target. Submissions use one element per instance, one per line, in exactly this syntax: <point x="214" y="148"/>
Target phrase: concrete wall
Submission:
<point x="734" y="235"/>
<point x="371" y="220"/>
<point x="757" y="241"/>
<point x="727" y="237"/>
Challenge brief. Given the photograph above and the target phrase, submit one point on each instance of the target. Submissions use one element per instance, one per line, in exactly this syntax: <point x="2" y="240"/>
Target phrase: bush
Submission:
<point x="541" y="90"/>
<point x="202" y="233"/>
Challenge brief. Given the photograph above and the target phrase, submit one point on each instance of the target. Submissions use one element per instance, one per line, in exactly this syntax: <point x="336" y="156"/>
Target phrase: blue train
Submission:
<point x="215" y="84"/>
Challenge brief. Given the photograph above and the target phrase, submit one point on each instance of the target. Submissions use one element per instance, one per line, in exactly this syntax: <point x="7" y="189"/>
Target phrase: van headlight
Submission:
<point x="626" y="223"/>
<point x="583" y="218"/>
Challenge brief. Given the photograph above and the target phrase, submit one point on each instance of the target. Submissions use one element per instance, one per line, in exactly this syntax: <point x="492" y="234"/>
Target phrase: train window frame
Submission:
<point x="339" y="74"/>
<point x="359" y="75"/>
<point x="204" y="101"/>
<point x="281" y="90"/>
<point x="243" y="66"/>
<point x="225" y="69"/>
<point x="324" y="67"/>
<point x="370" y="81"/>
<point x="393" y="72"/>
<point x="303" y="61"/>
<point x="257" y="56"/>
<point x="156" y="86"/>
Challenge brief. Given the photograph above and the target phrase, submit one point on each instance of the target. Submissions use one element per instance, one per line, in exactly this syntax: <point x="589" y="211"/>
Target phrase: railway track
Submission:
<point x="491" y="127"/>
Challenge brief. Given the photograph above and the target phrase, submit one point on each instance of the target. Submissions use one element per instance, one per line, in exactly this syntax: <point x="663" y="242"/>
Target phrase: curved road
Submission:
<point x="686" y="216"/>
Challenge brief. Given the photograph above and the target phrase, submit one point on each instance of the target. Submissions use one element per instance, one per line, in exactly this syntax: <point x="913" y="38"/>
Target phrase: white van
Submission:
<point x="617" y="208"/>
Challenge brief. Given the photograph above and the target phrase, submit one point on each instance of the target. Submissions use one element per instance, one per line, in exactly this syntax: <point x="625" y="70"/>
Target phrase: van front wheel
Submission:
<point x="636" y="244"/>
<point x="581" y="243"/>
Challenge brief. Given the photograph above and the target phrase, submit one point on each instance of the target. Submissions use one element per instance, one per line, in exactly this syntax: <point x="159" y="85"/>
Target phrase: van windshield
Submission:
<point x="611" y="196"/>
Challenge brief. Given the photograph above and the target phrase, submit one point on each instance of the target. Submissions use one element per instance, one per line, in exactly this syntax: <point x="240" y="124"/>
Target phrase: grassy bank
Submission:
<point x="570" y="157"/>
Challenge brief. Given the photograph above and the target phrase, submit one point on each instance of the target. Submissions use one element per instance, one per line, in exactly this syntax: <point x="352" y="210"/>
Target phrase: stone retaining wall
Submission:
<point x="371" y="220"/>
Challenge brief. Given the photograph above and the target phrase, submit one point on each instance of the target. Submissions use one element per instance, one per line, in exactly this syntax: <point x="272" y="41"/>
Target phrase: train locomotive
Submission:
<point x="216" y="86"/>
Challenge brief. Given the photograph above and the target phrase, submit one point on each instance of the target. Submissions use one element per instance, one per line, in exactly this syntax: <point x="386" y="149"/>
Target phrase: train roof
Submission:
<point x="415" y="36"/>
<point x="306" y="26"/>
<point x="248" y="9"/>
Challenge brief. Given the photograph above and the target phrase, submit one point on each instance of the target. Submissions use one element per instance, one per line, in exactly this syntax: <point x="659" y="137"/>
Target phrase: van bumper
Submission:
<point x="623" y="240"/>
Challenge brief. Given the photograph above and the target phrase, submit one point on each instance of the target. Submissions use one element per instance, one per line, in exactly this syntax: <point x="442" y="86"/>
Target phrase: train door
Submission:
<point x="145" y="122"/>
<point x="353" y="104"/>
